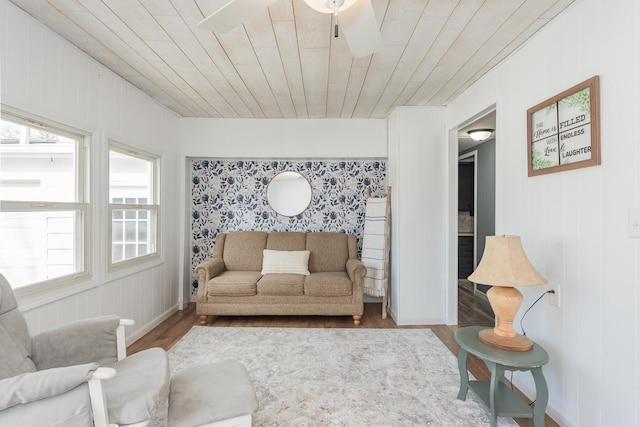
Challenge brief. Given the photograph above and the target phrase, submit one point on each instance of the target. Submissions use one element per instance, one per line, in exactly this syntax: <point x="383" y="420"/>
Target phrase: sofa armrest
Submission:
<point x="356" y="271"/>
<point x="83" y="341"/>
<point x="205" y="271"/>
<point x="32" y="386"/>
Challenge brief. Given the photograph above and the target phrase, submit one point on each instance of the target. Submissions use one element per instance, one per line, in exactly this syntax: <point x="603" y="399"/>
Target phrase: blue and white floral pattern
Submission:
<point x="230" y="195"/>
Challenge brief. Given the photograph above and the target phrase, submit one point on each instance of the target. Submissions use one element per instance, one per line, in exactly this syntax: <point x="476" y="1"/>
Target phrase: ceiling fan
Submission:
<point x="356" y="19"/>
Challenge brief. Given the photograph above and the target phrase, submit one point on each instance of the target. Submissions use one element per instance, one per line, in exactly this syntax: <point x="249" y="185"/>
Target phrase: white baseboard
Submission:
<point x="135" y="336"/>
<point x="551" y="411"/>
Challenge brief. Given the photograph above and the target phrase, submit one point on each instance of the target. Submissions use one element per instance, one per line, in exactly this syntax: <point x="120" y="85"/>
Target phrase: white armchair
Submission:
<point x="77" y="374"/>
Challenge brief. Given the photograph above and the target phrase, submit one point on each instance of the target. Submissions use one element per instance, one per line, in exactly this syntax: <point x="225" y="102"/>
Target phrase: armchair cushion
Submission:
<point x="14" y="358"/>
<point x="140" y="389"/>
<point x="11" y="319"/>
<point x="32" y="386"/>
<point x="70" y="409"/>
<point x="83" y="341"/>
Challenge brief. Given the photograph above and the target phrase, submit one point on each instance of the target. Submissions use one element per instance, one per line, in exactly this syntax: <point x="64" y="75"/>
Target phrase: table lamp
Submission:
<point x="504" y="265"/>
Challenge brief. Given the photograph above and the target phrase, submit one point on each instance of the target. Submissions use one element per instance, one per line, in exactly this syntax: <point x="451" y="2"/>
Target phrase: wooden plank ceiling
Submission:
<point x="285" y="62"/>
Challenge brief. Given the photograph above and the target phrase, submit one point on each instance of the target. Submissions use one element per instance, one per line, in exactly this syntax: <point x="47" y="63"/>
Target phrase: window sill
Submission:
<point x="32" y="297"/>
<point x="128" y="269"/>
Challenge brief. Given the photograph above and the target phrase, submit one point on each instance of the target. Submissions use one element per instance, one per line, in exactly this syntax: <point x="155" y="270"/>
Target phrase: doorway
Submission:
<point x="476" y="217"/>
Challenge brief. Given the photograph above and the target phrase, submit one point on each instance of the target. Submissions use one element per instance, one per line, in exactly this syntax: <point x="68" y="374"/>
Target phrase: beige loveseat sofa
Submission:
<point x="232" y="283"/>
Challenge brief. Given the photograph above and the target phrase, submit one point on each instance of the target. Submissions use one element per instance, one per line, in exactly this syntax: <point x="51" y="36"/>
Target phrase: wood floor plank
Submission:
<point x="177" y="325"/>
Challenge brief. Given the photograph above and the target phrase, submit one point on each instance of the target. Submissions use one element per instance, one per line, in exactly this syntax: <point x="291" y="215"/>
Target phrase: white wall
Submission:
<point x="44" y="75"/>
<point x="284" y="138"/>
<point x="574" y="224"/>
<point x="417" y="168"/>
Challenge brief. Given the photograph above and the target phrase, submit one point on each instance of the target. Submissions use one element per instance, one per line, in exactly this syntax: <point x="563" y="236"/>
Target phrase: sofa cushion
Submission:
<point x="243" y="250"/>
<point x="328" y="284"/>
<point x="329" y="251"/>
<point x="281" y="284"/>
<point x="285" y="262"/>
<point x="287" y="241"/>
<point x="234" y="283"/>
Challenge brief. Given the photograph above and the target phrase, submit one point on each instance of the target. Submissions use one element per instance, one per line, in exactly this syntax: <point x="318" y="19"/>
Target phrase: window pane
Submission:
<point x="130" y="231"/>
<point x="130" y="178"/>
<point x="38" y="246"/>
<point x="135" y="237"/>
<point x="116" y="252"/>
<point x="142" y="249"/>
<point x="117" y="234"/>
<point x="142" y="230"/>
<point x="129" y="251"/>
<point x="36" y="164"/>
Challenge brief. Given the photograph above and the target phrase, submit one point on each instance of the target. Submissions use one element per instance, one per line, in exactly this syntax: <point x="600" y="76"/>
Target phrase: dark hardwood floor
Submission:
<point x="171" y="330"/>
<point x="473" y="309"/>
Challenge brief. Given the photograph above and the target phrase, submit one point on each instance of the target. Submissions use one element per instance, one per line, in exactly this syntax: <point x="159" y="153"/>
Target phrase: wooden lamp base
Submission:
<point x="517" y="343"/>
<point x="505" y="303"/>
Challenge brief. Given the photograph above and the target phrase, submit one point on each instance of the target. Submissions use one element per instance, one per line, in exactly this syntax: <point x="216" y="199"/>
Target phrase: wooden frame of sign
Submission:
<point x="564" y="131"/>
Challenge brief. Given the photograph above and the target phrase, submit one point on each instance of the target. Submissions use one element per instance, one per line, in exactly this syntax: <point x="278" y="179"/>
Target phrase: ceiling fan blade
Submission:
<point x="233" y="14"/>
<point x="360" y="28"/>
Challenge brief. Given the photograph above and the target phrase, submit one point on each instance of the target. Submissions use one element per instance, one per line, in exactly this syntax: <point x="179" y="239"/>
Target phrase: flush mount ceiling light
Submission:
<point x="480" y="134"/>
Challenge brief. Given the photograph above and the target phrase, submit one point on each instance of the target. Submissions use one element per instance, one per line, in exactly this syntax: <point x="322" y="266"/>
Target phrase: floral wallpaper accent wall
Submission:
<point x="230" y="195"/>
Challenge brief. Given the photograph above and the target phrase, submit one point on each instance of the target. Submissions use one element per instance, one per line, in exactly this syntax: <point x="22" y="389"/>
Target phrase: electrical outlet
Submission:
<point x="554" y="298"/>
<point x="634" y="222"/>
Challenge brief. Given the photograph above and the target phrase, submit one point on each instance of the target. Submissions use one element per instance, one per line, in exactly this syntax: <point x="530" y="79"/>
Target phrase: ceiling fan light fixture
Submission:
<point x="327" y="6"/>
<point x="480" y="134"/>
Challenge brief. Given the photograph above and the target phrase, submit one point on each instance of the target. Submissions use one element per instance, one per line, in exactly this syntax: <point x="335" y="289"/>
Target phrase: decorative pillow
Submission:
<point x="285" y="262"/>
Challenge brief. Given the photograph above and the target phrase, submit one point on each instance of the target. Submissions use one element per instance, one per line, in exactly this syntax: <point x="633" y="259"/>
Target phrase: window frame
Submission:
<point x="81" y="204"/>
<point x="153" y="206"/>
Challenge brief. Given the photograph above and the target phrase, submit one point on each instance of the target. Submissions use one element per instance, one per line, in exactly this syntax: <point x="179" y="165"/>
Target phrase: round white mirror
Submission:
<point x="289" y="193"/>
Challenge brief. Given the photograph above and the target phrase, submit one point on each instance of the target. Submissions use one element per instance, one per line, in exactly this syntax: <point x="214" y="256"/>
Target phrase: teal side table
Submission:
<point x="495" y="394"/>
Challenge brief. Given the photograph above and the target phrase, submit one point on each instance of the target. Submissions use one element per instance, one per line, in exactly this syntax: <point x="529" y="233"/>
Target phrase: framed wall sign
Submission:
<point x="564" y="131"/>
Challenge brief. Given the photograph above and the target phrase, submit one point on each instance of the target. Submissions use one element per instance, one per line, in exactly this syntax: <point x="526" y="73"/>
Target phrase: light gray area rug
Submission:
<point x="341" y="377"/>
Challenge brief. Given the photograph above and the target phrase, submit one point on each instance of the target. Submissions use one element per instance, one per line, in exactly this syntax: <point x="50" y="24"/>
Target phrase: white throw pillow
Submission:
<point x="285" y="262"/>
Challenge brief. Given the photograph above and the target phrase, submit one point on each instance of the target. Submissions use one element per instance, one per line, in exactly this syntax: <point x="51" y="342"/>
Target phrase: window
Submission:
<point x="133" y="205"/>
<point x="43" y="204"/>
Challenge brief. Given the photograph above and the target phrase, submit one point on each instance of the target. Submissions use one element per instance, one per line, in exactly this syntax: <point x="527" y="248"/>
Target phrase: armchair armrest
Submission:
<point x="120" y="337"/>
<point x="33" y="386"/>
<point x="98" y="398"/>
<point x="83" y="341"/>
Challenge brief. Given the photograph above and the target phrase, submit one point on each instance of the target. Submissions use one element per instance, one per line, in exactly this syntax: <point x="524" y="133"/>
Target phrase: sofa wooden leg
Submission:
<point x="356" y="319"/>
<point x="203" y="319"/>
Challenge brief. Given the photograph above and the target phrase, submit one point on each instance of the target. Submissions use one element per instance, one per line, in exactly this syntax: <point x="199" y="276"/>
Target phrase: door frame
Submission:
<point x="464" y="156"/>
<point x="452" y="217"/>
